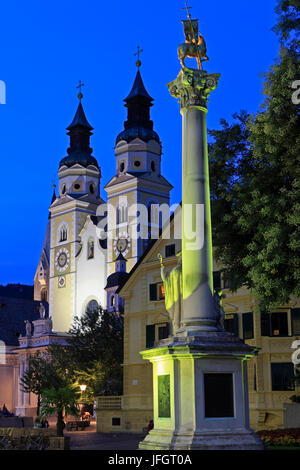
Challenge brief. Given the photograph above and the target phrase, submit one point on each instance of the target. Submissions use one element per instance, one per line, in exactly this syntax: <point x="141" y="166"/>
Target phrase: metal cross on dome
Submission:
<point x="138" y="62"/>
<point x="80" y="95"/>
<point x="187" y="8"/>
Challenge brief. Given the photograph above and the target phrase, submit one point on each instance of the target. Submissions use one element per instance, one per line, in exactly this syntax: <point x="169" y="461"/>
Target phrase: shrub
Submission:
<point x="281" y="437"/>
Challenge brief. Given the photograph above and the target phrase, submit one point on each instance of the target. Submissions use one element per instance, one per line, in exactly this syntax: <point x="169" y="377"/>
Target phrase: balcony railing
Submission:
<point x="109" y="403"/>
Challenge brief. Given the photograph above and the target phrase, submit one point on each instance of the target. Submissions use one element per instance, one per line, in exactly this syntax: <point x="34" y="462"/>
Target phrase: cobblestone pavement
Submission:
<point x="89" y="439"/>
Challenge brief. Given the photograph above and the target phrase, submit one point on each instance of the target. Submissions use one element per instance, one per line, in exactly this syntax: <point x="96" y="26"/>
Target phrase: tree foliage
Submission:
<point x="255" y="174"/>
<point x="60" y="401"/>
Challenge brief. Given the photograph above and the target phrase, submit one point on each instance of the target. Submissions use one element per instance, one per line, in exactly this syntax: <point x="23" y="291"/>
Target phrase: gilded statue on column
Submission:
<point x="173" y="291"/>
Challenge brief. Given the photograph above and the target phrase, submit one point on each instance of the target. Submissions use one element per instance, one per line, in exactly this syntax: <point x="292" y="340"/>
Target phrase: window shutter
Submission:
<point x="265" y="324"/>
<point x="296" y="321"/>
<point x="236" y="325"/>
<point x="150" y="336"/>
<point x="248" y="325"/>
<point x="152" y="292"/>
<point x="232" y="325"/>
<point x="217" y="279"/>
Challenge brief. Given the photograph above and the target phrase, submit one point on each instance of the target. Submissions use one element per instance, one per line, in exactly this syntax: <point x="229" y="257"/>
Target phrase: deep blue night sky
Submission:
<point x="46" y="48"/>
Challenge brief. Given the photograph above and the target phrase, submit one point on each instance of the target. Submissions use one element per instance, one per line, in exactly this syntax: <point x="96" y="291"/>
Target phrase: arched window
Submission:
<point x="63" y="233"/>
<point x="44" y="295"/>
<point x="112" y="301"/>
<point x="122" y="214"/>
<point x="92" y="306"/>
<point x="90" y="248"/>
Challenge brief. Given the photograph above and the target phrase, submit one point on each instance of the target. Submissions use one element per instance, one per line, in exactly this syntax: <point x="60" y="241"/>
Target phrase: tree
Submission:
<point x="96" y="348"/>
<point x="258" y="211"/>
<point x="231" y="170"/>
<point x="40" y="375"/>
<point x="60" y="401"/>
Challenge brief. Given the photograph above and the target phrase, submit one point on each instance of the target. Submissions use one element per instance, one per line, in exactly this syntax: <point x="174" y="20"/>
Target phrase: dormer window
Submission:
<point x="137" y="163"/>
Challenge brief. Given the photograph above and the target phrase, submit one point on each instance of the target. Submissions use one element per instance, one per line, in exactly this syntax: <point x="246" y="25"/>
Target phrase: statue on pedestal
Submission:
<point x="28" y="328"/>
<point x="218" y="296"/>
<point x="194" y="45"/>
<point x="42" y="310"/>
<point x="173" y="291"/>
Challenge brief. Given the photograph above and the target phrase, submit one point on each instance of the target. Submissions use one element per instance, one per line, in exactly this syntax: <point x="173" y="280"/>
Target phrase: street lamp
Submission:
<point x="82" y="389"/>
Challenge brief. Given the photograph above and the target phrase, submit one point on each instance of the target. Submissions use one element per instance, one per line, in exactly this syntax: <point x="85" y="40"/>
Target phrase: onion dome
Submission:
<point x="138" y="123"/>
<point x="79" y="132"/>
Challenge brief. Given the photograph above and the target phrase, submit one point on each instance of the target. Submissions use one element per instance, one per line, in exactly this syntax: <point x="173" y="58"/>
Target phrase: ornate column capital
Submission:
<point x="193" y="87"/>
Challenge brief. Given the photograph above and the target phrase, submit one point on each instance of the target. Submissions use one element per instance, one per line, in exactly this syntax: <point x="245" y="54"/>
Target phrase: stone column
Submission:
<point x="192" y="87"/>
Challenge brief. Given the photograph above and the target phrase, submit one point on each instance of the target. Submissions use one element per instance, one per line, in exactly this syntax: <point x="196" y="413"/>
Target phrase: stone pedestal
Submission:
<point x="200" y="394"/>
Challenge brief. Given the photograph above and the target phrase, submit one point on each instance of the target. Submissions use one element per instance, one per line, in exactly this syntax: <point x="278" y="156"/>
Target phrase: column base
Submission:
<point x="165" y="440"/>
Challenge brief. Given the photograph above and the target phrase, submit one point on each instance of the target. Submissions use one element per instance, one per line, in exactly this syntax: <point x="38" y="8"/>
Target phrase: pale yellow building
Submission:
<point x="146" y="321"/>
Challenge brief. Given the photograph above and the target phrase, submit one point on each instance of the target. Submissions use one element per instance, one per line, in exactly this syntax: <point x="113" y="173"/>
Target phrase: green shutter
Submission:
<point x="217" y="279"/>
<point x="296" y="321"/>
<point x="248" y="325"/>
<point x="153" y="292"/>
<point x="150" y="336"/>
<point x="265" y="324"/>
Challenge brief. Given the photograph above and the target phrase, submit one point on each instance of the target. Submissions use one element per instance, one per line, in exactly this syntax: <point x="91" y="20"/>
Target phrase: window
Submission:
<point x="122" y="214"/>
<point x="112" y="301"/>
<point x="248" y="325"/>
<point x="150" y="336"/>
<point x="153" y="165"/>
<point x="226" y="282"/>
<point x="295" y="313"/>
<point x="63" y="189"/>
<point x="156" y="332"/>
<point x="92" y="188"/>
<point x="282" y="374"/>
<point x="274" y="324"/>
<point x="92" y="306"/>
<point x="116" y="421"/>
<point x="77" y="186"/>
<point x="137" y="163"/>
<point x="90" y="249"/>
<point x="122" y="167"/>
<point x="44" y="296"/>
<point x="217" y="279"/>
<point x="63" y="234"/>
<point x="231" y="324"/>
<point x="163" y="331"/>
<point x="156" y="291"/>
<point x="170" y="250"/>
<point x="218" y="405"/>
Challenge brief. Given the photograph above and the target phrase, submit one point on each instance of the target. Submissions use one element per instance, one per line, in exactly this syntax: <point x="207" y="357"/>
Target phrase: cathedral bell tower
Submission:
<point x="79" y="195"/>
<point x="138" y="178"/>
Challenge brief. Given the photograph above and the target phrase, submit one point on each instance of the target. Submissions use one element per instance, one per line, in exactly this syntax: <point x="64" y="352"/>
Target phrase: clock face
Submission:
<point x="62" y="259"/>
<point x="122" y="244"/>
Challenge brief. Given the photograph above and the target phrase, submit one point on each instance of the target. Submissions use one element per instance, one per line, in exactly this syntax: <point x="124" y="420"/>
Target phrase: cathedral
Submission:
<point x="77" y="269"/>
